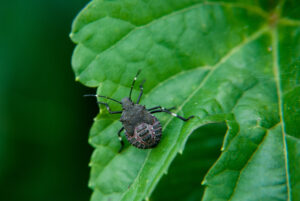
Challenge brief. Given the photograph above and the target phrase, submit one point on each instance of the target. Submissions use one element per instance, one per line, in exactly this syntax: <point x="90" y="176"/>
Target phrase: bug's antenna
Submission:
<point x="86" y="95"/>
<point x="139" y="71"/>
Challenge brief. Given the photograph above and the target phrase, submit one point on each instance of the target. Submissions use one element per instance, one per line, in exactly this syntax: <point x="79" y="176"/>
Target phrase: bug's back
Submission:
<point x="145" y="135"/>
<point x="142" y="129"/>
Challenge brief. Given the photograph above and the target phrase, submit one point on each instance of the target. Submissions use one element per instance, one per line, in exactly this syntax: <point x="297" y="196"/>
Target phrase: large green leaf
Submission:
<point x="235" y="62"/>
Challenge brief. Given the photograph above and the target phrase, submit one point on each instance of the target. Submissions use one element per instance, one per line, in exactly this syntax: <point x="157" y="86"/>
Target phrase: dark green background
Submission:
<point x="44" y="120"/>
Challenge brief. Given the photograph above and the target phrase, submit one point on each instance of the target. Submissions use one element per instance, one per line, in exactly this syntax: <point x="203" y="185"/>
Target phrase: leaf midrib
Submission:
<point x="276" y="70"/>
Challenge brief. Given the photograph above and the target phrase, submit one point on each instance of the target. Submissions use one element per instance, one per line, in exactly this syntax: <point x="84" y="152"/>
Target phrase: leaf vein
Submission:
<point x="276" y="71"/>
<point x="246" y="164"/>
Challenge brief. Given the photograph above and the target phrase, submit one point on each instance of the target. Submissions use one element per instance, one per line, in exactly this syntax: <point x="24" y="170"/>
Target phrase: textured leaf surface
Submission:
<point x="235" y="62"/>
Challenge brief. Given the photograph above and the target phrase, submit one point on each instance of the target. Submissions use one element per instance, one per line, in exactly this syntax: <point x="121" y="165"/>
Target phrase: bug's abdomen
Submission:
<point x="145" y="135"/>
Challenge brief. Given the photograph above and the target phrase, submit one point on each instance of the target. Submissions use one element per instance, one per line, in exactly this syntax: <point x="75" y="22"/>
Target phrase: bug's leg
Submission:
<point x="121" y="140"/>
<point x="108" y="108"/>
<point x="159" y="107"/>
<point x="132" y="85"/>
<point x="95" y="95"/>
<point x="141" y="92"/>
<point x="171" y="113"/>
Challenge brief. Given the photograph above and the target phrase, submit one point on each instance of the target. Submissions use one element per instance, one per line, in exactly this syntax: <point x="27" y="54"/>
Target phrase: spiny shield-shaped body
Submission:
<point x="142" y="129"/>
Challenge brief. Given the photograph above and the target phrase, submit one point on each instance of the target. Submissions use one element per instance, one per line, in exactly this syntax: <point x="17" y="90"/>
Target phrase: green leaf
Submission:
<point x="234" y="62"/>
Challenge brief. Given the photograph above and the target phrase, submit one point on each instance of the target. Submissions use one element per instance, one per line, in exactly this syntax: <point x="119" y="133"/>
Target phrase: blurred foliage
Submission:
<point x="44" y="120"/>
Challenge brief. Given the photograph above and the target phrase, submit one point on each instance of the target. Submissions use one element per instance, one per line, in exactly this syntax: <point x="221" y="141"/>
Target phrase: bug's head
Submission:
<point x="127" y="103"/>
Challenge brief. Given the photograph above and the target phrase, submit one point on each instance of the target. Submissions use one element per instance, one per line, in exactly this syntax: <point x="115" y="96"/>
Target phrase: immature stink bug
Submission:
<point x="142" y="129"/>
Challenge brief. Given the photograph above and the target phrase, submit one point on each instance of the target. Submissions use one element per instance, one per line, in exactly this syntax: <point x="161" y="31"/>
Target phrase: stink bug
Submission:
<point x="142" y="129"/>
